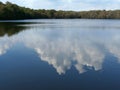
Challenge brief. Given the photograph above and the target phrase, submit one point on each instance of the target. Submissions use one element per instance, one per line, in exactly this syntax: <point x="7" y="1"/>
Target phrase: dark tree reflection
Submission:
<point x="10" y="28"/>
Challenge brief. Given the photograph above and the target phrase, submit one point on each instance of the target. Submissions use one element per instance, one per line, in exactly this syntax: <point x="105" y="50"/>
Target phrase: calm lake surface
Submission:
<point x="76" y="54"/>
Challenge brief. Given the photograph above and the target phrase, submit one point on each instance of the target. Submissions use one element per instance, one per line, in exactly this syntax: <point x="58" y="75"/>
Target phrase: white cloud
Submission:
<point x="61" y="52"/>
<point x="69" y="4"/>
<point x="114" y="47"/>
<point x="64" y="48"/>
<point x="5" y="44"/>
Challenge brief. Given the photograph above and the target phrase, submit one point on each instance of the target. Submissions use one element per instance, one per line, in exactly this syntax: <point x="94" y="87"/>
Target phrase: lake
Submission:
<point x="61" y="54"/>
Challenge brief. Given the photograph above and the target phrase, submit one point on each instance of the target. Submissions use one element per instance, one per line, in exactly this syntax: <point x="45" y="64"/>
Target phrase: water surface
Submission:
<point x="60" y="54"/>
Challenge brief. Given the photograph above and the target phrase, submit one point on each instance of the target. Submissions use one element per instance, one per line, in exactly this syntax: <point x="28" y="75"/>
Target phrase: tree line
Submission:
<point x="10" y="11"/>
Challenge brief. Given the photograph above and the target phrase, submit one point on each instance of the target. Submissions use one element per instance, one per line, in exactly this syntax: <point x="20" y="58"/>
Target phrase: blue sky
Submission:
<point x="76" y="5"/>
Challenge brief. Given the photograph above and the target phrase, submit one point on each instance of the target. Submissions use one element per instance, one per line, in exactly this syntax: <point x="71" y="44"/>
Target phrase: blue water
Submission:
<point x="61" y="54"/>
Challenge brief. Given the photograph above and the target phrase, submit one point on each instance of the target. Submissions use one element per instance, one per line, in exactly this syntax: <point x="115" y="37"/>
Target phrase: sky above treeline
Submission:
<point x="76" y="5"/>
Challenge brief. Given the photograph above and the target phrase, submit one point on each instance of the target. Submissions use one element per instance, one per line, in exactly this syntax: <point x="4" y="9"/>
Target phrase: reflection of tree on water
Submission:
<point x="10" y="29"/>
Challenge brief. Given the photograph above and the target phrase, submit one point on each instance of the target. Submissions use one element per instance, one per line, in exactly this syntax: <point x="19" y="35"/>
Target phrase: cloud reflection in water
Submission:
<point x="63" y="49"/>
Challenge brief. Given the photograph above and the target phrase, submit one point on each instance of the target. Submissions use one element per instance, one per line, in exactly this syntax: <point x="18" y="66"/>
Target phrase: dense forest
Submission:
<point x="10" y="11"/>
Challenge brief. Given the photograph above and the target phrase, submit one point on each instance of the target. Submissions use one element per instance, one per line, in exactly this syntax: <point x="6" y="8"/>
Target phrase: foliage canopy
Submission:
<point x="10" y="11"/>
